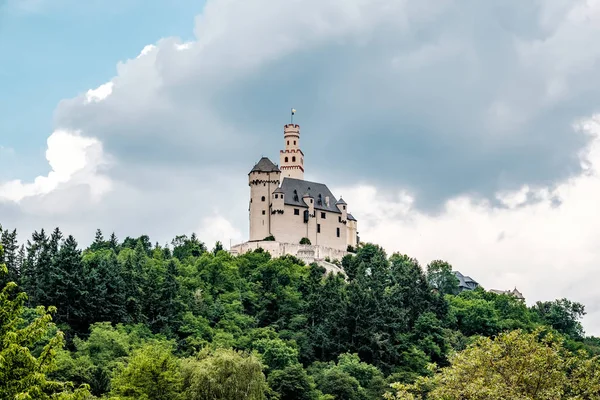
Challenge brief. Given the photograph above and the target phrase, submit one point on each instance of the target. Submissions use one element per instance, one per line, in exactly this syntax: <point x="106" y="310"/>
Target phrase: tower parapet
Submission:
<point x="291" y="159"/>
<point x="263" y="179"/>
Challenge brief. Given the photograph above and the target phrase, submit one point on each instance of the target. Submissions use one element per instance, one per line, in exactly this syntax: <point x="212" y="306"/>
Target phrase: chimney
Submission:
<point x="327" y="200"/>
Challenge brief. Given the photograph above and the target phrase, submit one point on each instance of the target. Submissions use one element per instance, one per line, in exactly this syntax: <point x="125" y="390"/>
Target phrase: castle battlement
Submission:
<point x="286" y="208"/>
<point x="305" y="252"/>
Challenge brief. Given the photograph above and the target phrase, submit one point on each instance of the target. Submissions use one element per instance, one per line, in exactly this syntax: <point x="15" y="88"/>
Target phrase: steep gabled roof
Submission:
<point x="351" y="217"/>
<point x="465" y="282"/>
<point x="265" y="165"/>
<point x="295" y="189"/>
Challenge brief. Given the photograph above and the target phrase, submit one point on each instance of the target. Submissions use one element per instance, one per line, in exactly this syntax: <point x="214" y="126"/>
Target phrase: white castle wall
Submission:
<point x="307" y="253"/>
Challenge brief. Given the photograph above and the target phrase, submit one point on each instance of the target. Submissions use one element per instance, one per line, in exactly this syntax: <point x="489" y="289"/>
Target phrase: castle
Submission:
<point x="285" y="209"/>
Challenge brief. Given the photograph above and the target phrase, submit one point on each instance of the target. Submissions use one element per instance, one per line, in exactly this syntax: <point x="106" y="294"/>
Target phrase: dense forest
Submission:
<point x="135" y="320"/>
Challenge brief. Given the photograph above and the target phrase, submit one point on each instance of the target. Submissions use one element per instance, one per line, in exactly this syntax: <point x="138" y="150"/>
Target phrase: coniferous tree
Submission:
<point x="113" y="243"/>
<point x="105" y="288"/>
<point x="68" y="283"/>
<point x="11" y="247"/>
<point x="36" y="261"/>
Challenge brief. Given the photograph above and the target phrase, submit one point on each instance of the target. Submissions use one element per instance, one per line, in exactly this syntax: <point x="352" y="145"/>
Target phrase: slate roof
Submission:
<point x="265" y="165"/>
<point x="351" y="217"/>
<point x="465" y="282"/>
<point x="514" y="293"/>
<point x="294" y="189"/>
<point x="341" y="201"/>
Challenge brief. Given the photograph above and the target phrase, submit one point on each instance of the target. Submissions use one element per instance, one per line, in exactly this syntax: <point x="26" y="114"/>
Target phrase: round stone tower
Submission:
<point x="291" y="160"/>
<point x="263" y="179"/>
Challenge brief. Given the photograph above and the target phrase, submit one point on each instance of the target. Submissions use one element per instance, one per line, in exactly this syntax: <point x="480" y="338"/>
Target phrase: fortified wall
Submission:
<point x="305" y="252"/>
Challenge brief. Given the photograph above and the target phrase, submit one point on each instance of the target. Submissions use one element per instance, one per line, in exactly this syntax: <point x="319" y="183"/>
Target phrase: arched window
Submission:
<point x="288" y="142"/>
<point x="263" y="198"/>
<point x="294" y="159"/>
<point x="286" y="159"/>
<point x="294" y="142"/>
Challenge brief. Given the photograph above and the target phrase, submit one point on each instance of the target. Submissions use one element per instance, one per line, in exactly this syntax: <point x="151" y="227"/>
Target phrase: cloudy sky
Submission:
<point x="463" y="130"/>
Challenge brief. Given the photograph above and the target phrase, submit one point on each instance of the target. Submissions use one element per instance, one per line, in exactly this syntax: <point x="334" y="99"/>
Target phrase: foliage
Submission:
<point x="515" y="365"/>
<point x="269" y="238"/>
<point x="23" y="374"/>
<point x="305" y="240"/>
<point x="151" y="373"/>
<point x="223" y="375"/>
<point x="440" y="277"/>
<point x="179" y="321"/>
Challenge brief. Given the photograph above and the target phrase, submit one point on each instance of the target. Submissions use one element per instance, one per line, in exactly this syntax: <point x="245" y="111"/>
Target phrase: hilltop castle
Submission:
<point x="285" y="209"/>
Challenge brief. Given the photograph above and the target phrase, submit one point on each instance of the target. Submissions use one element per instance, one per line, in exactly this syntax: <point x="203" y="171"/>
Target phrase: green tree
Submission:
<point x="223" y="375"/>
<point x="11" y="255"/>
<point x="514" y="366"/>
<point x="562" y="315"/>
<point x="23" y="375"/>
<point x="94" y="359"/>
<point x="150" y="373"/>
<point x="440" y="277"/>
<point x="105" y="289"/>
<point x="293" y="383"/>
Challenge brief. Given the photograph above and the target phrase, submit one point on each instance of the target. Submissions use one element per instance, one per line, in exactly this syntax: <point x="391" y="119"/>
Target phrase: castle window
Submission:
<point x="318" y="228"/>
<point x="338" y="232"/>
<point x="310" y="201"/>
<point x="340" y="219"/>
<point x="276" y="196"/>
<point x="264" y="212"/>
<point x="294" y="142"/>
<point x="294" y="159"/>
<point x="263" y="198"/>
<point x="344" y="207"/>
<point x="286" y="159"/>
<point x="323" y="215"/>
<point x="296" y="211"/>
<point x="288" y="142"/>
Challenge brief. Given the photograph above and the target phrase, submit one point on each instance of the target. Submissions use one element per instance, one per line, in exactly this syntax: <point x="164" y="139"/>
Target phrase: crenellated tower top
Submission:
<point x="291" y="159"/>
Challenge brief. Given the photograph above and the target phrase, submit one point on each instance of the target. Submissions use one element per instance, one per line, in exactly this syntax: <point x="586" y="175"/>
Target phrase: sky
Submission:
<point x="454" y="129"/>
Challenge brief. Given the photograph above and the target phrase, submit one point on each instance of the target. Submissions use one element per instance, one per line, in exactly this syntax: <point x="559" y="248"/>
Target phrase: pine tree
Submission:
<point x="67" y="289"/>
<point x="113" y="243"/>
<point x="11" y="246"/>
<point x="36" y="261"/>
<point x="99" y="242"/>
<point x="22" y="373"/>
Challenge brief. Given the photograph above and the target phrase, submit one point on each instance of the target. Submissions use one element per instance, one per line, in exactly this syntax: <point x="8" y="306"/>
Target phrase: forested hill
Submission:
<point x="132" y="320"/>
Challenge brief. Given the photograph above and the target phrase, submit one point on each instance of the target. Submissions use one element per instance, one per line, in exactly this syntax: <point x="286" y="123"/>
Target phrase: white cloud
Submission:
<point x="546" y="251"/>
<point x="217" y="228"/>
<point x="72" y="158"/>
<point x="426" y="102"/>
<point x="100" y="93"/>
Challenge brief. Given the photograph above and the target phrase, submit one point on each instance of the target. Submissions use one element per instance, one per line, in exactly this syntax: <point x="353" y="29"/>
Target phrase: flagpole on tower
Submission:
<point x="292" y="116"/>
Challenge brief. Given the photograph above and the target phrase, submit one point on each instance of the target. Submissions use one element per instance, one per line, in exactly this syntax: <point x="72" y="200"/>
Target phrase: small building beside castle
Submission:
<point x="285" y="209"/>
